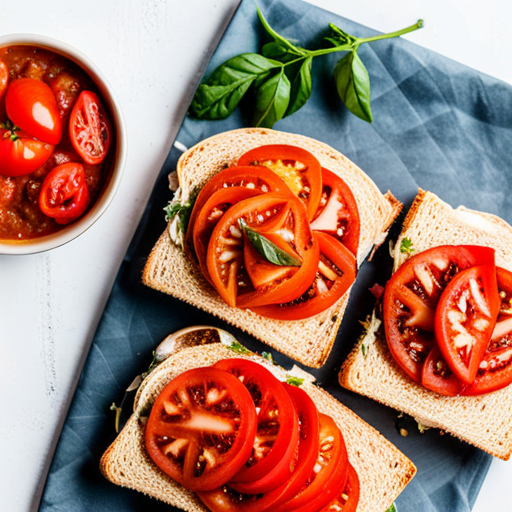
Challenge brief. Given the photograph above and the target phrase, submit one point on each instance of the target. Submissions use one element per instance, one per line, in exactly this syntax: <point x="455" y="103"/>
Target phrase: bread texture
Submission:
<point x="169" y="270"/>
<point x="484" y="421"/>
<point x="382" y="469"/>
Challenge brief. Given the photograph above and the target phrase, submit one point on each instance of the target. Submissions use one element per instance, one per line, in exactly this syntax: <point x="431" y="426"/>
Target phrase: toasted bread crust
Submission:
<point x="484" y="421"/>
<point x="170" y="271"/>
<point x="382" y="469"/>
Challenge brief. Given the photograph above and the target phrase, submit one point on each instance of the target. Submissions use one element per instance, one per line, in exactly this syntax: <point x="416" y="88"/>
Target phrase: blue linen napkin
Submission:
<point x="437" y="125"/>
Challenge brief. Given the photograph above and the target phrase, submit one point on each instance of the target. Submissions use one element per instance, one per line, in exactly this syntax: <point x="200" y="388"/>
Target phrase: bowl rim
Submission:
<point x="63" y="236"/>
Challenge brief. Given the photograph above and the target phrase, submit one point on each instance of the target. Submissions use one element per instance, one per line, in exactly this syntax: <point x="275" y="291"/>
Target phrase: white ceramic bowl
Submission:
<point x="111" y="185"/>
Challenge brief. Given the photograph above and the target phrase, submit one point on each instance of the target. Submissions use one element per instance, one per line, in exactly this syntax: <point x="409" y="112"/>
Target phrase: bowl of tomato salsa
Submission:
<point x="62" y="143"/>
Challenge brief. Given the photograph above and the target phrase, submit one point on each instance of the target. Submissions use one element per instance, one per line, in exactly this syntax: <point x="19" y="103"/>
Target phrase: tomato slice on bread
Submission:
<point x="411" y="296"/>
<point x="335" y="274"/>
<point x="465" y="317"/>
<point x="227" y="499"/>
<point x="273" y="456"/>
<point x="201" y="428"/>
<point x="329" y="474"/>
<point x="495" y="369"/>
<point x="348" y="496"/>
<point x="337" y="213"/>
<point x="298" y="168"/>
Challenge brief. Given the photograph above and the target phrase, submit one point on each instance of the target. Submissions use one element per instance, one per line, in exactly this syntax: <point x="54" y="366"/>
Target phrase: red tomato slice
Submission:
<point x="335" y="274"/>
<point x="260" y="179"/>
<point x="495" y="370"/>
<point x="227" y="499"/>
<point x="31" y="106"/>
<point x="337" y="212"/>
<point x="437" y="376"/>
<point x="89" y="128"/>
<point x="64" y="194"/>
<point x="465" y="319"/>
<point x="201" y="428"/>
<point x="208" y="217"/>
<point x="299" y="169"/>
<point x="273" y="456"/>
<point x="225" y="263"/>
<point x="20" y="153"/>
<point x="329" y="474"/>
<point x="348" y="498"/>
<point x="411" y="297"/>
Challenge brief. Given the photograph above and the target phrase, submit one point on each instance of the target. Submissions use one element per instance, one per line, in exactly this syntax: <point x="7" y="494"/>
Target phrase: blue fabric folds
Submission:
<point x="437" y="125"/>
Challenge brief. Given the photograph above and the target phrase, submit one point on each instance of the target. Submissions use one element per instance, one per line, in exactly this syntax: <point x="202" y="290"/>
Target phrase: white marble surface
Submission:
<point x="153" y="52"/>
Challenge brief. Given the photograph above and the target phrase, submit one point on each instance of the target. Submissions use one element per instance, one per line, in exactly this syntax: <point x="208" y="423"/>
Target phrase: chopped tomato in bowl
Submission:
<point x="40" y="82"/>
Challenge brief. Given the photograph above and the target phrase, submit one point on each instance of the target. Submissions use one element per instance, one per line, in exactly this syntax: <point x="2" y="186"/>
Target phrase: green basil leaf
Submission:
<point x="353" y="85"/>
<point x="392" y="508"/>
<point x="301" y="88"/>
<point x="218" y="97"/>
<point x="278" y="38"/>
<point x="270" y="251"/>
<point x="271" y="100"/>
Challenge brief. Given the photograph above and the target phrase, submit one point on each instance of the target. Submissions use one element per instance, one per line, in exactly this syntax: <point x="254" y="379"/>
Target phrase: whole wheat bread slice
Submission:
<point x="169" y="270"/>
<point x="382" y="469"/>
<point x="484" y="421"/>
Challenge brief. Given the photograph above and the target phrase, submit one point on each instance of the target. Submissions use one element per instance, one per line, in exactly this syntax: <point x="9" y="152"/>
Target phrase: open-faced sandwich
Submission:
<point x="267" y="232"/>
<point x="439" y="344"/>
<point x="216" y="427"/>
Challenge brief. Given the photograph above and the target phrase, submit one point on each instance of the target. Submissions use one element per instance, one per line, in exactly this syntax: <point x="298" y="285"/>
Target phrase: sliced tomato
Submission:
<point x="208" y="217"/>
<point x="64" y="194"/>
<point x="465" y="319"/>
<point x="337" y="212"/>
<point x="329" y="474"/>
<point x="32" y="107"/>
<point x="495" y="369"/>
<point x="273" y="456"/>
<point x="66" y="88"/>
<point x="201" y="428"/>
<point x="227" y="499"/>
<point x="437" y="376"/>
<point x="348" y="498"/>
<point x="300" y="170"/>
<point x="335" y="275"/>
<point x="260" y="179"/>
<point x="225" y="265"/>
<point x="411" y="296"/>
<point x="89" y="128"/>
<point x="20" y="153"/>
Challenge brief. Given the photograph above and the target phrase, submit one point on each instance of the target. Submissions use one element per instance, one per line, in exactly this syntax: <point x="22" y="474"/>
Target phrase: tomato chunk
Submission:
<point x="201" y="428"/>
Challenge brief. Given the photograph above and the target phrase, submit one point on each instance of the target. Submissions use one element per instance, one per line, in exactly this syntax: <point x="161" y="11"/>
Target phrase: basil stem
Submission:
<point x="280" y="78"/>
<point x="270" y="251"/>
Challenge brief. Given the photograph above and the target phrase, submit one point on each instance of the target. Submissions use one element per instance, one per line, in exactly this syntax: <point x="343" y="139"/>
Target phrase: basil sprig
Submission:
<point x="269" y="250"/>
<point x="280" y="78"/>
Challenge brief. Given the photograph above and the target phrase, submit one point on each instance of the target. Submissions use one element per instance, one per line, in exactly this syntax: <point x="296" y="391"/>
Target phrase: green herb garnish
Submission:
<point x="267" y="356"/>
<point x="239" y="348"/>
<point x="364" y="349"/>
<point x="270" y="251"/>
<point x="183" y="212"/>
<point x="406" y="246"/>
<point x="280" y="78"/>
<point x="392" y="508"/>
<point x="294" y="381"/>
